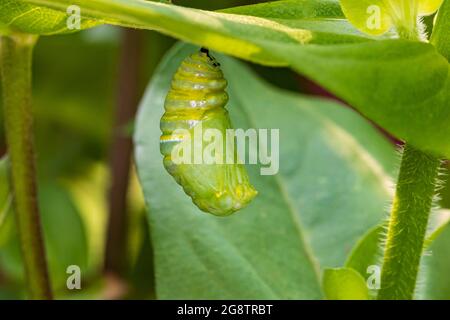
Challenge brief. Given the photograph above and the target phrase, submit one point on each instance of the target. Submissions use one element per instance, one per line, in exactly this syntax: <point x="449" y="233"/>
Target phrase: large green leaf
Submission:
<point x="331" y="188"/>
<point x="404" y="86"/>
<point x="235" y="34"/>
<point x="16" y="15"/>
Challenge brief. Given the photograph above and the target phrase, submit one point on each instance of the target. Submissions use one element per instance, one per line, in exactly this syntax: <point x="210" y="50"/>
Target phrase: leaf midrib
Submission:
<point x="293" y="213"/>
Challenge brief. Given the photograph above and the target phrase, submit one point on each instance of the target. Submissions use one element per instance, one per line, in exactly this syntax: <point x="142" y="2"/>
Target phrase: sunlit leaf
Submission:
<point x="344" y="284"/>
<point x="441" y="35"/>
<point x="427" y="7"/>
<point x="369" y="16"/>
<point x="235" y="34"/>
<point x="403" y="86"/>
<point x="20" y="16"/>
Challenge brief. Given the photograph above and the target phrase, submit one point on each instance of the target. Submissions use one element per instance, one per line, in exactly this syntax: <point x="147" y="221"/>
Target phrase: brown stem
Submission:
<point x="121" y="150"/>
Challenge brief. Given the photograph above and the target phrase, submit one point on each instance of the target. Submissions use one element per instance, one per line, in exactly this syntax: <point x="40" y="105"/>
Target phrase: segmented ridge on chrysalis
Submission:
<point x="197" y="86"/>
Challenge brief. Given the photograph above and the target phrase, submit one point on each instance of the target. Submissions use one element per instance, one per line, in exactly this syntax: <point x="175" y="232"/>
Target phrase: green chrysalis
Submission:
<point x="197" y="99"/>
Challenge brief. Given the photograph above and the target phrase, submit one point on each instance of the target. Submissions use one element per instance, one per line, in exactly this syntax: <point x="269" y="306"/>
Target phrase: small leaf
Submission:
<point x="427" y="7"/>
<point x="436" y="284"/>
<point x="369" y="16"/>
<point x="367" y="251"/>
<point x="366" y="257"/>
<point x="344" y="284"/>
<point x="376" y="17"/>
<point x="5" y="202"/>
<point x="441" y="35"/>
<point x="4" y="181"/>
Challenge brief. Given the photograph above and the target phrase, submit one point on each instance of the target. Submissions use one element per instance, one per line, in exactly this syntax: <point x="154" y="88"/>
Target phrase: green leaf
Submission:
<point x="369" y="16"/>
<point x="331" y="188"/>
<point x="367" y="254"/>
<point x="344" y="284"/>
<point x="20" y="16"/>
<point x="291" y="10"/>
<point x="427" y="7"/>
<point x="65" y="238"/>
<point x="403" y="86"/>
<point x="367" y="251"/>
<point x="5" y="202"/>
<point x="377" y="16"/>
<point x="63" y="229"/>
<point x="436" y="284"/>
<point x="4" y="184"/>
<point x="235" y="34"/>
<point x="441" y="35"/>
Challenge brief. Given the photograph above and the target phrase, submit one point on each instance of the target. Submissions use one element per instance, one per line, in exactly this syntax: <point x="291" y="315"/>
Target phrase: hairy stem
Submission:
<point x="412" y="204"/>
<point x="408" y="222"/>
<point x="16" y="61"/>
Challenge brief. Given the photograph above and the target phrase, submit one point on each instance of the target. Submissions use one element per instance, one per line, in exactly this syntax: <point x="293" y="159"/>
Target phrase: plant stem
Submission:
<point x="408" y="222"/>
<point x="413" y="200"/>
<point x="121" y="151"/>
<point x="16" y="62"/>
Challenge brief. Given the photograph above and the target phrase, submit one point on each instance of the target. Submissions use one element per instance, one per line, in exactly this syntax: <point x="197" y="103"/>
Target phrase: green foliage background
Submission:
<point x="336" y="167"/>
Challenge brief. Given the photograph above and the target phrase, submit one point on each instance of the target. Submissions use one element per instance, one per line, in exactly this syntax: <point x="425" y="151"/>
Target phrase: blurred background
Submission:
<point x="87" y="87"/>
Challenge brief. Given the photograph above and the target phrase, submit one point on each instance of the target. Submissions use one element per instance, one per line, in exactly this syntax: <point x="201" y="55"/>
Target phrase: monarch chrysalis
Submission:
<point x="196" y="98"/>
